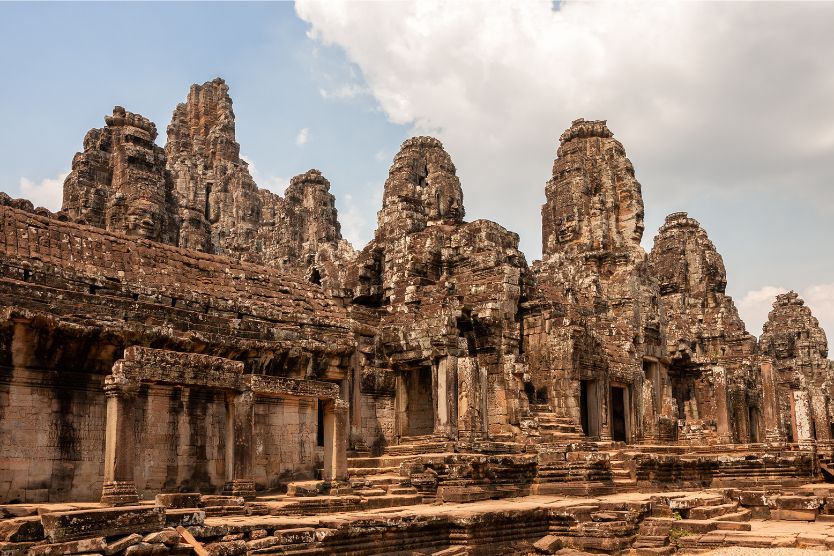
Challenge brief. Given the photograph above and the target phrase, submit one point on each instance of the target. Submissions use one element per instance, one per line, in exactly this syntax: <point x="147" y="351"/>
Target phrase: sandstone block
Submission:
<point x="548" y="544"/>
<point x="122" y="544"/>
<point x="108" y="522"/>
<point x="21" y="529"/>
<point x="186" y="517"/>
<point x="83" y="546"/>
<point x="232" y="548"/>
<point x="168" y="537"/>
<point x="178" y="500"/>
<point x="146" y="549"/>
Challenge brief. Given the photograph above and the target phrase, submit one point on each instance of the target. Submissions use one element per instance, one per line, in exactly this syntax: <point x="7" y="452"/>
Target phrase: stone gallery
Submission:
<point x="191" y="364"/>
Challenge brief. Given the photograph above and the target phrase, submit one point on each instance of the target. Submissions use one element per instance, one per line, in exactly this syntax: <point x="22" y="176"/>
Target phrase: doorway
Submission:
<point x="583" y="406"/>
<point x="753" y="424"/>
<point x="619" y="431"/>
<point x="419" y="403"/>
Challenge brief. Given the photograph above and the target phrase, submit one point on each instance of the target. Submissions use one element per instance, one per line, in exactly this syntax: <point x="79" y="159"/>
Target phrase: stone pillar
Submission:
<point x="770" y="403"/>
<point x="722" y="410"/>
<point x="119" y="486"/>
<point x="803" y="419"/>
<point x="445" y="416"/>
<point x="240" y="424"/>
<point x="819" y="409"/>
<point x="335" y="440"/>
<point x="604" y="398"/>
<point x="471" y="415"/>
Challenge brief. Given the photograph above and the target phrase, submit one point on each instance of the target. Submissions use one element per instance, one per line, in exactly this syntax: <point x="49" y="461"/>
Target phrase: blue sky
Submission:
<point x="67" y="65"/>
<point x="734" y="125"/>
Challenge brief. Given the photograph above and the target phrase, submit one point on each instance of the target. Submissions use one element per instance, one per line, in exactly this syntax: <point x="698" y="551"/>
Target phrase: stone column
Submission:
<point x="604" y="398"/>
<point x="335" y="440"/>
<point x="770" y="407"/>
<point x="119" y="486"/>
<point x="240" y="424"/>
<point x="722" y="410"/>
<point x="803" y="419"/>
<point x="445" y="416"/>
<point x="819" y="409"/>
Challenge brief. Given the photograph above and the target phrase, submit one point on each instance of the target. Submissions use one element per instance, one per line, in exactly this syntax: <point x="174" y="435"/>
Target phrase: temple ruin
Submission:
<point x="191" y="364"/>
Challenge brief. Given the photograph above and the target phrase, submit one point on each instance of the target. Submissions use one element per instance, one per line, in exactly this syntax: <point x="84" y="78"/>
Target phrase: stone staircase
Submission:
<point x="683" y="515"/>
<point x="545" y="427"/>
<point x="422" y="444"/>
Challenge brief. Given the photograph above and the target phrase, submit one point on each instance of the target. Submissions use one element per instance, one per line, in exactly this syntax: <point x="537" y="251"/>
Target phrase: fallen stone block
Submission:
<point x="146" y="549"/>
<point x="82" y="546"/>
<point x="548" y="544"/>
<point x="15" y="548"/>
<point x="104" y="522"/>
<point x="216" y="500"/>
<point x="122" y="544"/>
<point x="21" y="529"/>
<point x="178" y="500"/>
<point x="296" y="536"/>
<point x="811" y="540"/>
<point x="794" y="515"/>
<point x="797" y="503"/>
<point x="226" y="548"/>
<point x="184" y="517"/>
<point x="452" y="551"/>
<point x="167" y="536"/>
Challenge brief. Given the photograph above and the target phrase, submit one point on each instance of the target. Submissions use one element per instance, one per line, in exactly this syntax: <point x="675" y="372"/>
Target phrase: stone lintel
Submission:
<point x="263" y="385"/>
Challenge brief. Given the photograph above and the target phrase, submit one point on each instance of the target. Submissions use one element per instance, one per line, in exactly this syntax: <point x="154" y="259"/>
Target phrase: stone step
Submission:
<point x="743" y="515"/>
<point x="711" y="512"/>
<point x="396" y="490"/>
<point x="369" y="492"/>
<point x="371" y="471"/>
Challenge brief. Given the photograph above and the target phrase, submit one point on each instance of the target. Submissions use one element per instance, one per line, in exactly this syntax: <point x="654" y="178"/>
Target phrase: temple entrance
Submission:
<point x="583" y="406"/>
<point x="418" y="415"/>
<point x="589" y="407"/>
<point x="753" y="423"/>
<point x="619" y="430"/>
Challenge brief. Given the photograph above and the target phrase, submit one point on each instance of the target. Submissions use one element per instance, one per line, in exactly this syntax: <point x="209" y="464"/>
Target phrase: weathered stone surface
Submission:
<point x="21" y="529"/>
<point x="107" y="522"/>
<point x="82" y="546"/>
<point x="120" y="183"/>
<point x="715" y="386"/>
<point x="178" y="500"/>
<point x="185" y="517"/>
<point x="122" y="544"/>
<point x="221" y="208"/>
<point x="215" y="337"/>
<point x="797" y="348"/>
<point x="232" y="548"/>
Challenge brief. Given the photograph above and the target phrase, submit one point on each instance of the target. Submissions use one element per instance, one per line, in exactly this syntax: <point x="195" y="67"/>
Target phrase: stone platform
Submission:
<point x="644" y="523"/>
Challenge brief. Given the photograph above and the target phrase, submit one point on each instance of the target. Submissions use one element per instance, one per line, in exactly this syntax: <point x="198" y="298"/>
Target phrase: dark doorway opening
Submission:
<point x="618" y="416"/>
<point x="320" y="424"/>
<point x="753" y="423"/>
<point x="419" y="410"/>
<point x="583" y="407"/>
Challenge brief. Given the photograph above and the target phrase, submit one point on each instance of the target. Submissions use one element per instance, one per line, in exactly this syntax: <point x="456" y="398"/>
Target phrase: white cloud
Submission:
<point x="705" y="96"/>
<point x="276" y="184"/>
<point x="357" y="226"/>
<point x="302" y="137"/>
<point x="755" y="305"/>
<point x="344" y="91"/>
<point x="820" y="298"/>
<point x="48" y="193"/>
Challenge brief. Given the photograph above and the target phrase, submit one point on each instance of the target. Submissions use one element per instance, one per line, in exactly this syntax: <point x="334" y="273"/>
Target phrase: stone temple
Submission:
<point x="191" y="364"/>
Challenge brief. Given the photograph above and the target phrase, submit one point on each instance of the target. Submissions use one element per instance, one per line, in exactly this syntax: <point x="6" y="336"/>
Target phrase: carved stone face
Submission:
<point x="143" y="220"/>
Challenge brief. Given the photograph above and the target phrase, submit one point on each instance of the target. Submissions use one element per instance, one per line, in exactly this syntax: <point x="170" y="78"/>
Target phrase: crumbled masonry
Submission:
<point x="191" y="364"/>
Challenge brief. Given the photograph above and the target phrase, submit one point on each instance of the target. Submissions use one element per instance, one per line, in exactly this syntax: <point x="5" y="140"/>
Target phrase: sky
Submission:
<point x="725" y="109"/>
